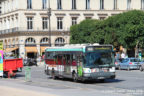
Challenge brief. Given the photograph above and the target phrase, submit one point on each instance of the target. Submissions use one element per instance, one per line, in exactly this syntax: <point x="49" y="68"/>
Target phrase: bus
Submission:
<point x="80" y="62"/>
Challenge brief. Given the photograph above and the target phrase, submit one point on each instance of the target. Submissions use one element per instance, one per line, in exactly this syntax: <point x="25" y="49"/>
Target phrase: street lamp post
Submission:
<point x="49" y="15"/>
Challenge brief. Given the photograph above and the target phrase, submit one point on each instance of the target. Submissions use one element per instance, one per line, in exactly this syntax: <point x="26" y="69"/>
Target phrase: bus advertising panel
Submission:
<point x="1" y="59"/>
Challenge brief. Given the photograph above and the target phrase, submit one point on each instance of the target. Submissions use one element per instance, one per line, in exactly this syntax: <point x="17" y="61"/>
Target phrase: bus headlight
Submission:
<point x="112" y="69"/>
<point x="86" y="75"/>
<point x="86" y="70"/>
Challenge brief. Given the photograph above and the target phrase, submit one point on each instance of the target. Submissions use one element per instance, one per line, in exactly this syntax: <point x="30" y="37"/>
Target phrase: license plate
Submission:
<point x="100" y="77"/>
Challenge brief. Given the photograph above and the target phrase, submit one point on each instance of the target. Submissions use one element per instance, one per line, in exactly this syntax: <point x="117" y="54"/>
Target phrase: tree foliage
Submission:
<point x="125" y="29"/>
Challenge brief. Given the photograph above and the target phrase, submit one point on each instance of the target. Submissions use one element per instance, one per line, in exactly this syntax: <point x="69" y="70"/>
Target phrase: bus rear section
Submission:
<point x="62" y="64"/>
<point x="85" y="63"/>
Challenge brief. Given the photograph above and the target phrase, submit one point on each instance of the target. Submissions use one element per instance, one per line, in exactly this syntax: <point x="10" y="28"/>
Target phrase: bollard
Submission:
<point x="27" y="74"/>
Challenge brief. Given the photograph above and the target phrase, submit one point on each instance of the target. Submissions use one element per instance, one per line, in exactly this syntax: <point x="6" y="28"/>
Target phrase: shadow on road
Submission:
<point x="19" y="75"/>
<point x="90" y="81"/>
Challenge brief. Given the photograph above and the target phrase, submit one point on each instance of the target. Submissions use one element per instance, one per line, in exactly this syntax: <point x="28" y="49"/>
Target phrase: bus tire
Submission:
<point x="75" y="78"/>
<point x="53" y="74"/>
<point x="141" y="69"/>
<point x="102" y="80"/>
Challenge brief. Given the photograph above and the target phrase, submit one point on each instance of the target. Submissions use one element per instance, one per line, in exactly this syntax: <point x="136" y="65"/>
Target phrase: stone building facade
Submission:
<point x="24" y="24"/>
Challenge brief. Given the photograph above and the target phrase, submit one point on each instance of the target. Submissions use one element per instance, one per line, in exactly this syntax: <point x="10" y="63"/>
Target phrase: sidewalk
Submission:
<point x="19" y="88"/>
<point x="9" y="91"/>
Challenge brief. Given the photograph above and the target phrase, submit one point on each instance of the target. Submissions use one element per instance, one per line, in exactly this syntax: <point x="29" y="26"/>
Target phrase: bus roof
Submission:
<point x="73" y="47"/>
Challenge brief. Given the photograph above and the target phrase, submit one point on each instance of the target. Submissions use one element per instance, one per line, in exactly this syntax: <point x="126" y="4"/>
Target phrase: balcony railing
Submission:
<point x="22" y="29"/>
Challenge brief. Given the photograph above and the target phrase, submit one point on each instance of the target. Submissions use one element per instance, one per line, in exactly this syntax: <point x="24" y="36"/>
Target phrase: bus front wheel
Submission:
<point x="141" y="69"/>
<point x="102" y="80"/>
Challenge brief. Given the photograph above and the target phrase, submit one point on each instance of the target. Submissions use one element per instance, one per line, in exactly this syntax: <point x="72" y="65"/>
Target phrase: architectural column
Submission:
<point x="2" y="7"/>
<point x="53" y="41"/>
<point x="38" y="48"/>
<point x="22" y="51"/>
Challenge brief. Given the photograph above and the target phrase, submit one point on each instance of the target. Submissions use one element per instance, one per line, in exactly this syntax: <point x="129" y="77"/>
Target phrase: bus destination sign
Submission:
<point x="95" y="48"/>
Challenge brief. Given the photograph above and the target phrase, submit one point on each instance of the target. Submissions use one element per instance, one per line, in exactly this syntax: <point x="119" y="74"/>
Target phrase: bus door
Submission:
<point x="67" y="66"/>
<point x="60" y="64"/>
<point x="79" y="65"/>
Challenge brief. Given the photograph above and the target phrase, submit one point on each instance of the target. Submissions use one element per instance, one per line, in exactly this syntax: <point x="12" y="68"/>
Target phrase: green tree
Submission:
<point x="126" y="29"/>
<point x="85" y="32"/>
<point x="129" y="28"/>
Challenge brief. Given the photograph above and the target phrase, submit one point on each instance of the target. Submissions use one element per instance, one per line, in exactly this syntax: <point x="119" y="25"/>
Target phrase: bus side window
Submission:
<point x="49" y="55"/>
<point x="55" y="58"/>
<point x="60" y="59"/>
<point x="79" y="60"/>
<point x="63" y="59"/>
<point x="74" y="60"/>
<point x="67" y="59"/>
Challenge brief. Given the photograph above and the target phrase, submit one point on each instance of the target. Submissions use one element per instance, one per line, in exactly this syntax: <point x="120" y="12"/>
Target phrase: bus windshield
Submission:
<point x="98" y="59"/>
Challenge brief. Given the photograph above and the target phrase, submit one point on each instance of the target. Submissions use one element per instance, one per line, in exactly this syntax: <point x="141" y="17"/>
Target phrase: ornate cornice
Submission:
<point x="74" y="14"/>
<point x="102" y="14"/>
<point x="60" y="14"/>
<point x="88" y="14"/>
<point x="35" y="33"/>
<point x="30" y="14"/>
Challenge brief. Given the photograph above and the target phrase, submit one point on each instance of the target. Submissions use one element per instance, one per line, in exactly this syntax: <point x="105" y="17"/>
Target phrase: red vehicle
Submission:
<point x="11" y="66"/>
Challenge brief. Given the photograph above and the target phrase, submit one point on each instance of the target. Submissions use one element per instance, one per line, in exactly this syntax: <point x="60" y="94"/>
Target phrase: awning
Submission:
<point x="42" y="49"/>
<point x="31" y="49"/>
<point x="10" y="49"/>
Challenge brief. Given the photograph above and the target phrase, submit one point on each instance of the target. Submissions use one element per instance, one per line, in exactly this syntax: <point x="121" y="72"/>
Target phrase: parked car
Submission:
<point x="30" y="62"/>
<point x="129" y="63"/>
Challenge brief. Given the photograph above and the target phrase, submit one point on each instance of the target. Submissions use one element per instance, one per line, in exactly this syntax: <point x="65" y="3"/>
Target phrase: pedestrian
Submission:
<point x="122" y="56"/>
<point x="117" y="56"/>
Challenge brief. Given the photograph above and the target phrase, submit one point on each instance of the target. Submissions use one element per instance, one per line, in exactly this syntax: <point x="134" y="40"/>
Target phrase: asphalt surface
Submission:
<point x="127" y="83"/>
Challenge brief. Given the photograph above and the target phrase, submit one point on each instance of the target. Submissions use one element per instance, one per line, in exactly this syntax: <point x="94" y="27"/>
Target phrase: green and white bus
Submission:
<point x="80" y="62"/>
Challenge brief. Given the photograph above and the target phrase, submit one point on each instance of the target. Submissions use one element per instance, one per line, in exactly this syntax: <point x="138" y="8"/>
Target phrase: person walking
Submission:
<point x="122" y="55"/>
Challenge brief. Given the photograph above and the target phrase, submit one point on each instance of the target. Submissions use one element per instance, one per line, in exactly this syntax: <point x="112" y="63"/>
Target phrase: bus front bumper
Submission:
<point x="99" y="75"/>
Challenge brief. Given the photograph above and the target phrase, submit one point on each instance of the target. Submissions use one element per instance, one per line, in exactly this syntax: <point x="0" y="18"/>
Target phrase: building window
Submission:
<point x="29" y="4"/>
<point x="0" y="8"/>
<point x="59" y="42"/>
<point x="102" y="18"/>
<point x="44" y="4"/>
<point x="142" y="4"/>
<point x="59" y="4"/>
<point x="59" y="23"/>
<point x="74" y="20"/>
<point x="128" y="4"/>
<point x="12" y="6"/>
<point x="45" y="22"/>
<point x="44" y="40"/>
<point x="101" y="4"/>
<point x="73" y="4"/>
<point x="88" y="17"/>
<point x="115" y="4"/>
<point x="87" y="4"/>
<point x="29" y="23"/>
<point x="30" y="41"/>
<point x="13" y="43"/>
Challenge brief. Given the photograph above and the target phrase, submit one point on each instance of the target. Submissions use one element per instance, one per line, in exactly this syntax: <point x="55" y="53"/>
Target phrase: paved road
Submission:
<point x="127" y="83"/>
